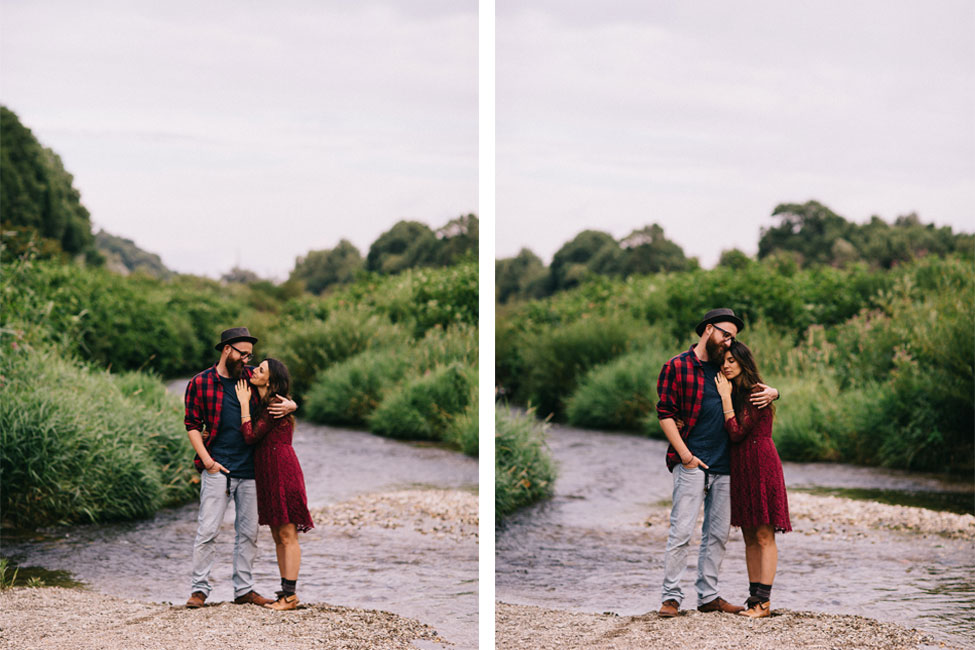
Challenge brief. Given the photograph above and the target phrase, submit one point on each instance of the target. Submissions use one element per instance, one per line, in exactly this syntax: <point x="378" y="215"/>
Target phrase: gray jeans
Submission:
<point x="688" y="496"/>
<point x="213" y="504"/>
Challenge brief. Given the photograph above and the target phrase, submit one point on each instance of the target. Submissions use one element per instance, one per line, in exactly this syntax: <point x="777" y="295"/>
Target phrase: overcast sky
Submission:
<point x="703" y="116"/>
<point x="214" y="133"/>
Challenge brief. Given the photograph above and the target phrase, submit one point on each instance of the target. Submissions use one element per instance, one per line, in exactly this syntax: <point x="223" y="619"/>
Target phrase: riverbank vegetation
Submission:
<point x="524" y="471"/>
<point x="875" y="364"/>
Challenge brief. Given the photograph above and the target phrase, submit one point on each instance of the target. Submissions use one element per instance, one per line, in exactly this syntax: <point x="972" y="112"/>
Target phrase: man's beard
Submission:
<point x="715" y="351"/>
<point x="234" y="367"/>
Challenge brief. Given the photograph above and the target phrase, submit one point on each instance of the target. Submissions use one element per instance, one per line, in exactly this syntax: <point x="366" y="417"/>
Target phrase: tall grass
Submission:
<point x="524" y="471"/>
<point x="80" y="445"/>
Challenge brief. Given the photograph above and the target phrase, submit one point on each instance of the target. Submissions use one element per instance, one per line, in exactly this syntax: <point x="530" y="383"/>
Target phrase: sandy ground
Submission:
<point x="521" y="626"/>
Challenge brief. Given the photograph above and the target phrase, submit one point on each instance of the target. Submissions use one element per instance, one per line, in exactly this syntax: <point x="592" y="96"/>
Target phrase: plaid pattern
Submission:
<point x="681" y="391"/>
<point x="204" y="400"/>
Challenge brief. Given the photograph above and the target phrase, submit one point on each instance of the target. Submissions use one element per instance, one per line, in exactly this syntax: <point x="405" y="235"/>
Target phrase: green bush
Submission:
<point x="620" y="394"/>
<point x="463" y="430"/>
<point x="423" y="407"/>
<point x="524" y="471"/>
<point x="80" y="445"/>
<point x="124" y="323"/>
<point x="348" y="392"/>
<point x="311" y="347"/>
<point x="555" y="358"/>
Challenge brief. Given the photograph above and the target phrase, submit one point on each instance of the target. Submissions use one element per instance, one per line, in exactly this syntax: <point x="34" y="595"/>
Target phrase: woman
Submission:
<point x="281" y="500"/>
<point x="758" y="500"/>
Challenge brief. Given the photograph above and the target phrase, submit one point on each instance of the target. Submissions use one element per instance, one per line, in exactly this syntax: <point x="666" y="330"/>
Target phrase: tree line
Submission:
<point x="807" y="235"/>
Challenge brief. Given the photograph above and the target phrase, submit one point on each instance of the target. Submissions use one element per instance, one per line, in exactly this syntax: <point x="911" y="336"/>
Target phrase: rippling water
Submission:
<point x="589" y="548"/>
<point x="401" y="571"/>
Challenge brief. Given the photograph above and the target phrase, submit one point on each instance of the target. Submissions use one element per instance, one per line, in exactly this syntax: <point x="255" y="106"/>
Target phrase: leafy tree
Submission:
<point x="589" y="251"/>
<point x="809" y="229"/>
<point x="406" y="245"/>
<point x="322" y="269"/>
<point x="123" y="256"/>
<point x="520" y="277"/>
<point x="647" y="250"/>
<point x="37" y="193"/>
<point x="734" y="259"/>
<point x="458" y="239"/>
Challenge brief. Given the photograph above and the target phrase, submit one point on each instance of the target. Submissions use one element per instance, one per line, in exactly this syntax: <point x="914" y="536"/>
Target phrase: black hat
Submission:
<point x="719" y="316"/>
<point x="233" y="335"/>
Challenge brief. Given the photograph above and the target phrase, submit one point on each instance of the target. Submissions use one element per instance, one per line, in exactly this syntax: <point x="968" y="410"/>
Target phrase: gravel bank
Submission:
<point x="828" y="515"/>
<point x="524" y="627"/>
<point x="76" y="619"/>
<point x="439" y="513"/>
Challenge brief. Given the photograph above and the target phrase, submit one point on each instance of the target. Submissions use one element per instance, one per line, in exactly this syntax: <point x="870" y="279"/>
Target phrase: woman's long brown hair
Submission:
<point x="278" y="383"/>
<point x="747" y="380"/>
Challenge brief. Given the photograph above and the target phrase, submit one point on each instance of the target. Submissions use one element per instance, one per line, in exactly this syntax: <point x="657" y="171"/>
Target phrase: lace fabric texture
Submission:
<point x="758" y="495"/>
<point x="281" y="497"/>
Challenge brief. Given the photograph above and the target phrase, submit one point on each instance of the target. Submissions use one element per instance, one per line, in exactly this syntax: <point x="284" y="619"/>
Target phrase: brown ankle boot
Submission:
<point x="758" y="610"/>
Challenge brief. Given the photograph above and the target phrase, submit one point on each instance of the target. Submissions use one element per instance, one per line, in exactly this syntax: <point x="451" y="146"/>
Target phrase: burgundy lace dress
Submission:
<point x="758" y="493"/>
<point x="281" y="495"/>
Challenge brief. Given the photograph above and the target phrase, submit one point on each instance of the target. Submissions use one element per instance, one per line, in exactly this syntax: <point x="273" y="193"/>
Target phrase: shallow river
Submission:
<point x="589" y="549"/>
<point x="401" y="571"/>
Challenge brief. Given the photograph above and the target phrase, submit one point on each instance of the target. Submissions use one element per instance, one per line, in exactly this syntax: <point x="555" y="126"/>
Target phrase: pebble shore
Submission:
<point x="828" y="515"/>
<point x="521" y="627"/>
<point x="77" y="619"/>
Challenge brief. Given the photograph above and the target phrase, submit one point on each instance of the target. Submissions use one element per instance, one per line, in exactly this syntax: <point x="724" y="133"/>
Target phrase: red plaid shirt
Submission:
<point x="204" y="400"/>
<point x="681" y="390"/>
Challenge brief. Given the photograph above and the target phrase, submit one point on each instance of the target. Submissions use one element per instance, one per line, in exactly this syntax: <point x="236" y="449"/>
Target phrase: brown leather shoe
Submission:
<point x="719" y="604"/>
<point x="284" y="602"/>
<point x="758" y="610"/>
<point x="196" y="599"/>
<point x="669" y="609"/>
<point x="252" y="597"/>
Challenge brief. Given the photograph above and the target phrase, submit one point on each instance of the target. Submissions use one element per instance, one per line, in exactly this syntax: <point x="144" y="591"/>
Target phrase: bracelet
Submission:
<point x="730" y="411"/>
<point x="244" y="418"/>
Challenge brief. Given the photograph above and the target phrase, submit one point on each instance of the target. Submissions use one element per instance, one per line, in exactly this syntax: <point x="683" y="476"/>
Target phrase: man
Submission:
<point x="226" y="464"/>
<point x="692" y="418"/>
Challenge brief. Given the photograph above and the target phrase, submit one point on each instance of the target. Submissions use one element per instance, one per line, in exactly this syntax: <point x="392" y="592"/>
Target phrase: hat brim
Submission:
<point x="219" y="346"/>
<point x="739" y="323"/>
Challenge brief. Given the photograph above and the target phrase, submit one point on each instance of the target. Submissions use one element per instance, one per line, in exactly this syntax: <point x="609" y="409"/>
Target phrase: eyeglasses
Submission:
<point x="728" y="336"/>
<point x="243" y="355"/>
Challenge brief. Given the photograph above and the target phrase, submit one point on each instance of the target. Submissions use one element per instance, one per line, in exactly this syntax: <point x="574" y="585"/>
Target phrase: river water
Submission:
<point x="397" y="570"/>
<point x="589" y="548"/>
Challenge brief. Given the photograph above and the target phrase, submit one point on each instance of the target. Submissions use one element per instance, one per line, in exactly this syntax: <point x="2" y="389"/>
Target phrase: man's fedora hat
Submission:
<point x="722" y="315"/>
<point x="233" y="335"/>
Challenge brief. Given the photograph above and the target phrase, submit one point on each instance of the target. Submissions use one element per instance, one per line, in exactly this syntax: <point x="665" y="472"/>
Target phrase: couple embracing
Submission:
<point x="240" y="423"/>
<point x="717" y="416"/>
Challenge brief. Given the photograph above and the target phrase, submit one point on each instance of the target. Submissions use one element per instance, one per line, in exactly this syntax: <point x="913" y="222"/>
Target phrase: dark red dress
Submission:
<point x="281" y="495"/>
<point x="758" y="495"/>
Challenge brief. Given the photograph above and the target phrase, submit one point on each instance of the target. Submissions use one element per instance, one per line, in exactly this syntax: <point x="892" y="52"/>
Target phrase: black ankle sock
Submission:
<point x="288" y="586"/>
<point x="763" y="592"/>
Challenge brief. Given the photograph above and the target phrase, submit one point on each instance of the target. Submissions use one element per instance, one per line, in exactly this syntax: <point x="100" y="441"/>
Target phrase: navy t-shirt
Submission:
<point x="229" y="449"/>
<point x="709" y="441"/>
